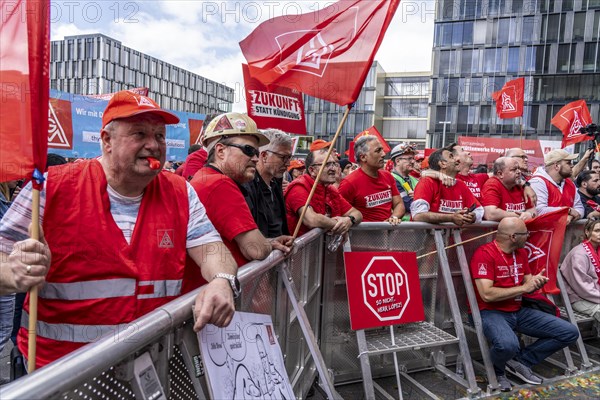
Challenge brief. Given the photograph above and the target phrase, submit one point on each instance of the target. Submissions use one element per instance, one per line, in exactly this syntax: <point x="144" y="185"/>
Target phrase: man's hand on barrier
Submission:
<point x="342" y="225"/>
<point x="214" y="305"/>
<point x="463" y="217"/>
<point x="283" y="243"/>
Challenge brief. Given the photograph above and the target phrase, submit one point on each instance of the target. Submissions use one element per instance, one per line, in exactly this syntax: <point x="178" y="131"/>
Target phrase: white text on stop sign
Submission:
<point x="384" y="284"/>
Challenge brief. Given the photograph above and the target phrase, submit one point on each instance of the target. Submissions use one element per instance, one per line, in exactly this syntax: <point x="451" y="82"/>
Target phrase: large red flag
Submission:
<point x="24" y="87"/>
<point x="509" y="100"/>
<point x="570" y="119"/>
<point x="372" y="131"/>
<point x="325" y="54"/>
<point x="545" y="243"/>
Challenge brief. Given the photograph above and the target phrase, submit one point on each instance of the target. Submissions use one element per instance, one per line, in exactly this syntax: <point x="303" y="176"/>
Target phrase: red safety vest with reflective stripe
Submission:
<point x="558" y="199"/>
<point x="97" y="280"/>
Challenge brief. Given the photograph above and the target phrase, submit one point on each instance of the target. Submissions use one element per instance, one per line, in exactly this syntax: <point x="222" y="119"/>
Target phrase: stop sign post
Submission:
<point x="383" y="289"/>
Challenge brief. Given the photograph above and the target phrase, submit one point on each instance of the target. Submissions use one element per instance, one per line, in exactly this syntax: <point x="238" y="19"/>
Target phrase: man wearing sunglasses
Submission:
<point x="554" y="187"/>
<point x="501" y="276"/>
<point x="232" y="141"/>
<point x="328" y="209"/>
<point x="264" y="193"/>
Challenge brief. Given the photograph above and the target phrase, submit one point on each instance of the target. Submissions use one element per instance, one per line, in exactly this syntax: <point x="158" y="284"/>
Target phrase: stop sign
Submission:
<point x="383" y="289"/>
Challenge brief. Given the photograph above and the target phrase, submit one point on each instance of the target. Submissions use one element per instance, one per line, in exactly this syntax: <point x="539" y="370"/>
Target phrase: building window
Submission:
<point x="590" y="57"/>
<point x="563" y="58"/>
<point x="551" y="25"/>
<point x="513" y="60"/>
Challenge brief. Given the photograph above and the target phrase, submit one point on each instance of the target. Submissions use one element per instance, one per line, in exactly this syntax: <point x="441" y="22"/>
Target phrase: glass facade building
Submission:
<point x="97" y="64"/>
<point x="481" y="44"/>
<point x="395" y="103"/>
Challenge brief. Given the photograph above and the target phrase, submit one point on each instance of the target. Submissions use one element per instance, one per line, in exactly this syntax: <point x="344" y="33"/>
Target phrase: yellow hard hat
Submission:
<point x="232" y="124"/>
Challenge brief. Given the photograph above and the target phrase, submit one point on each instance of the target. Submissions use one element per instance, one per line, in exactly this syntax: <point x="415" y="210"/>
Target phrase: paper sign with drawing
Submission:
<point x="244" y="360"/>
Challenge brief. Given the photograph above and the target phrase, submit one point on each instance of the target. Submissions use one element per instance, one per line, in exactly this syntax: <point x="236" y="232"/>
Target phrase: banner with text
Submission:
<point x="485" y="150"/>
<point x="275" y="106"/>
<point x="75" y="122"/>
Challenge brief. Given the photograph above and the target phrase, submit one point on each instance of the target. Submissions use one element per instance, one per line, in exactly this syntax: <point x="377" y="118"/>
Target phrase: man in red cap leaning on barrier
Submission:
<point x="117" y="231"/>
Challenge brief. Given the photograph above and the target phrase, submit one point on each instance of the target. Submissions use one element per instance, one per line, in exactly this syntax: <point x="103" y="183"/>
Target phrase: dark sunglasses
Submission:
<point x="248" y="150"/>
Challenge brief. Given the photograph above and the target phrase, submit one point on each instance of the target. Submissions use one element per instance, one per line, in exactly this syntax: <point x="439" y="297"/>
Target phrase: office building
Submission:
<point x="481" y="44"/>
<point x="96" y="64"/>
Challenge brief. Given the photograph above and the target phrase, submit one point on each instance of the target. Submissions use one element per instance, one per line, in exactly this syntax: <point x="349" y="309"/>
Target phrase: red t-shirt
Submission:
<point x="474" y="182"/>
<point x="489" y="262"/>
<point x="326" y="200"/>
<point x="444" y="199"/>
<point x="194" y="162"/>
<point x="496" y="194"/>
<point x="225" y="207"/>
<point x="371" y="196"/>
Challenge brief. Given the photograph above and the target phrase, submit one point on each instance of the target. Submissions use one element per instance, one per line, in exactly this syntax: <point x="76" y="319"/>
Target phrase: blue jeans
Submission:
<point x="499" y="328"/>
<point x="7" y="308"/>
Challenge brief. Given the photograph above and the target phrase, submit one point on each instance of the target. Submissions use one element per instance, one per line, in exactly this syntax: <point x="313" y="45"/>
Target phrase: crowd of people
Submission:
<point x="121" y="237"/>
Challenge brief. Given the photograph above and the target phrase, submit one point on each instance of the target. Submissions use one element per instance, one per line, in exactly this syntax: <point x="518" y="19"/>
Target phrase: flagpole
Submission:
<point x="521" y="137"/>
<point x="33" y="292"/>
<point x="318" y="178"/>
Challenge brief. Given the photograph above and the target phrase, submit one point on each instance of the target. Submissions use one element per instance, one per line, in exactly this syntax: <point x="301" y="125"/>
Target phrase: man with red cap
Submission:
<point x="117" y="231"/>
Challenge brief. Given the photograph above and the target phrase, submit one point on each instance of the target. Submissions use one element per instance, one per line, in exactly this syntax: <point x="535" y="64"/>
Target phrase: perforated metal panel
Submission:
<point x="180" y="382"/>
<point x="103" y="387"/>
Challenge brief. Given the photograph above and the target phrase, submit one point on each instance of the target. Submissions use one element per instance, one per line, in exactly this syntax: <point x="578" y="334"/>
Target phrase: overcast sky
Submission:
<point x="203" y="36"/>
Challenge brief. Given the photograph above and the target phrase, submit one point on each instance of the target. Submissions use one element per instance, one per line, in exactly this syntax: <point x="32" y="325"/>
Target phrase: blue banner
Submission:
<point x="76" y="121"/>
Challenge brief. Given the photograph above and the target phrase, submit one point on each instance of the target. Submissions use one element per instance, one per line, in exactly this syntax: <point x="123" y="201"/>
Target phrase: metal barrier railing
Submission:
<point x="105" y="368"/>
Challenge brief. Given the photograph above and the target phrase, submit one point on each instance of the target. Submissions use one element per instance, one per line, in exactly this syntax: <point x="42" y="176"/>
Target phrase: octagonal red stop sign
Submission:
<point x="383" y="289"/>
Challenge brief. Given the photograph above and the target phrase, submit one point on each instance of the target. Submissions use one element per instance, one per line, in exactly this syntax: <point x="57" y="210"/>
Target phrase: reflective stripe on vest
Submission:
<point x="108" y="288"/>
<point x="161" y="289"/>
<point x="88" y="290"/>
<point x="71" y="332"/>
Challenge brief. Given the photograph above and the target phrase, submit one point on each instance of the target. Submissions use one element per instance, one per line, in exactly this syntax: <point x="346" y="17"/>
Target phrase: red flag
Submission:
<point x="325" y="54"/>
<point x="509" y="100"/>
<point x="570" y="119"/>
<point x="371" y="131"/>
<point x="24" y="86"/>
<point x="545" y="244"/>
<point x="275" y="106"/>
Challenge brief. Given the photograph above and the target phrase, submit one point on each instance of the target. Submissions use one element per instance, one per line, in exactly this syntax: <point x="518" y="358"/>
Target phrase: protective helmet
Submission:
<point x="232" y="124"/>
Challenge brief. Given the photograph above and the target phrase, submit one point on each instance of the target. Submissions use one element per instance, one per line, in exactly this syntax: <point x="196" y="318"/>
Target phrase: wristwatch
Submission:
<point x="236" y="288"/>
<point x="352" y="219"/>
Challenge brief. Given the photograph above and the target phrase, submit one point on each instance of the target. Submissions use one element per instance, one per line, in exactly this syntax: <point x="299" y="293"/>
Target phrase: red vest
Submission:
<point x="98" y="281"/>
<point x="558" y="199"/>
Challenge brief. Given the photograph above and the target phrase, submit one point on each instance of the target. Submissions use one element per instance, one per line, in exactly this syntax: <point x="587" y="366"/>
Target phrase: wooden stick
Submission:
<point x="33" y="292"/>
<point x="457" y="244"/>
<point x="318" y="178"/>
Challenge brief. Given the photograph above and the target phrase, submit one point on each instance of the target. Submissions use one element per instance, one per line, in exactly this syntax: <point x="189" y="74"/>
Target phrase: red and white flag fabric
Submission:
<point x="372" y="131"/>
<point x="509" y="100"/>
<point x="325" y="54"/>
<point x="570" y="119"/>
<point x="24" y="87"/>
<point x="274" y="106"/>
<point x="547" y="233"/>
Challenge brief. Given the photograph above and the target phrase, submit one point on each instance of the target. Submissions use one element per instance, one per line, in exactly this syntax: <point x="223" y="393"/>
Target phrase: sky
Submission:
<point x="203" y="36"/>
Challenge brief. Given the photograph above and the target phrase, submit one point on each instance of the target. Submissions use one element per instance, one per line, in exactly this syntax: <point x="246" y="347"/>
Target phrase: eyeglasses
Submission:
<point x="330" y="164"/>
<point x="283" y="157"/>
<point x="524" y="157"/>
<point x="248" y="150"/>
<point x="409" y="159"/>
<point x="522" y="233"/>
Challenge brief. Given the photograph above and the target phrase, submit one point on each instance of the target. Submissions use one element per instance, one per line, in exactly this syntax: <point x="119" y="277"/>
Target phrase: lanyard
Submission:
<point x="515" y="269"/>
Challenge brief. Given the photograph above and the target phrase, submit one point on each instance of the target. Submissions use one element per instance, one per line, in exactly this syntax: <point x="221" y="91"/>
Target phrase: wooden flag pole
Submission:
<point x="457" y="244"/>
<point x="521" y="137"/>
<point x="33" y="292"/>
<point x="318" y="178"/>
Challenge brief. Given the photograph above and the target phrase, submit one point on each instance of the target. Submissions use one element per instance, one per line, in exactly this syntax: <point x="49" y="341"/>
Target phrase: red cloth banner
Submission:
<point x="509" y="100"/>
<point x="24" y="86"/>
<point x="373" y="132"/>
<point x="570" y="119"/>
<point x="326" y="54"/>
<point x="544" y="245"/>
<point x="195" y="126"/>
<point x="274" y="106"/>
<point x="383" y="289"/>
<point x="60" y="124"/>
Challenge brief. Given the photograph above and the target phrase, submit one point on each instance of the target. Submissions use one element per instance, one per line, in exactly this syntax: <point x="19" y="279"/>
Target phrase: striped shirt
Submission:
<point x="14" y="225"/>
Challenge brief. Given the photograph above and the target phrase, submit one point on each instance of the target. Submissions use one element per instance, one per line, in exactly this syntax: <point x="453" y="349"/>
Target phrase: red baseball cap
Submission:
<point x="126" y="104"/>
<point x="319" y="144"/>
<point x="296" y="164"/>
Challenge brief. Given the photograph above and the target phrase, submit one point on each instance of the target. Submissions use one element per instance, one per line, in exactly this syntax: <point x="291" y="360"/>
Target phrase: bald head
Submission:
<point x="512" y="233"/>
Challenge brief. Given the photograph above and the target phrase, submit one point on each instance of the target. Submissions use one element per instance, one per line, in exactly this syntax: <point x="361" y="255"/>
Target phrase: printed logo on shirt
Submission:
<point x="376" y="199"/>
<point x="515" y="207"/>
<point x="450" y="206"/>
<point x="482" y="269"/>
<point x="474" y="188"/>
<point x="165" y="238"/>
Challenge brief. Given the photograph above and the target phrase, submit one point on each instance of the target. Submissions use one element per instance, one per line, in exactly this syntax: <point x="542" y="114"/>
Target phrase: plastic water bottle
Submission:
<point x="335" y="242"/>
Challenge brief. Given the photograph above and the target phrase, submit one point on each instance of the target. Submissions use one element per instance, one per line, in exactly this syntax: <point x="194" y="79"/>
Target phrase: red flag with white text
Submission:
<point x="544" y="245"/>
<point x="509" y="100"/>
<point x="570" y="119"/>
<point x="24" y="86"/>
<point x="274" y="106"/>
<point x="326" y="54"/>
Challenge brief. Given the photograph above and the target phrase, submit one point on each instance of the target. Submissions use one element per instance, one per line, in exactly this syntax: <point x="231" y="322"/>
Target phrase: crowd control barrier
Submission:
<point x="305" y="294"/>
